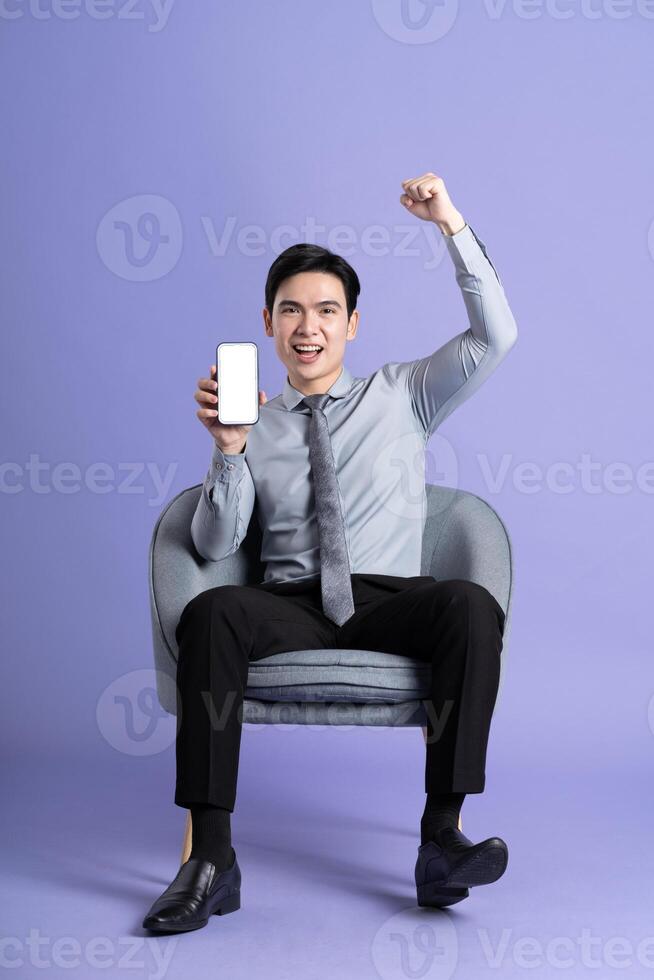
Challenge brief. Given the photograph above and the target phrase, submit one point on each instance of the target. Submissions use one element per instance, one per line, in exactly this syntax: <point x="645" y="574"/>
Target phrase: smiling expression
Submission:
<point x="310" y="309"/>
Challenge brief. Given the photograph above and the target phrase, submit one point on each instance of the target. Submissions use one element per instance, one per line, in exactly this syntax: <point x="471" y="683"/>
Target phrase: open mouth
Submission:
<point x="307" y="356"/>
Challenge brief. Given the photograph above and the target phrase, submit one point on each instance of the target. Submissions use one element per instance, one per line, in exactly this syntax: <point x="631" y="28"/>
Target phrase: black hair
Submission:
<point x="312" y="258"/>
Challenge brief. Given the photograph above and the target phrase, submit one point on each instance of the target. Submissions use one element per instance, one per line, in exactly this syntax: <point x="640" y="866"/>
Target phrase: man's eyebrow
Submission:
<point x="323" y="302"/>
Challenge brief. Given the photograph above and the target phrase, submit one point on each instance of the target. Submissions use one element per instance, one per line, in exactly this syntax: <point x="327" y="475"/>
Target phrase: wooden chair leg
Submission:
<point x="424" y="735"/>
<point x="188" y="838"/>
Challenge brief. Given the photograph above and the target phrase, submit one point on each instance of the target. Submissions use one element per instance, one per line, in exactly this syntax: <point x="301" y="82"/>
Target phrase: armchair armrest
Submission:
<point x="177" y="573"/>
<point x="466" y="538"/>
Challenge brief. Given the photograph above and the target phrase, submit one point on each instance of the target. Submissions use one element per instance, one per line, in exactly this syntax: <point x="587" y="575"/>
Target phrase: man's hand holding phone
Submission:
<point x="228" y="438"/>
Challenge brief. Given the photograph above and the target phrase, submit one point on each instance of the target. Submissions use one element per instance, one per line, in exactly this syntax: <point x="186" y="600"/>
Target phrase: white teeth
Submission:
<point x="307" y="349"/>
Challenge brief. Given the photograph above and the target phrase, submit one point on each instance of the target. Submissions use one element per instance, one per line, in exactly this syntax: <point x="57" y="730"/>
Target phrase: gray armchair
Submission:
<point x="464" y="538"/>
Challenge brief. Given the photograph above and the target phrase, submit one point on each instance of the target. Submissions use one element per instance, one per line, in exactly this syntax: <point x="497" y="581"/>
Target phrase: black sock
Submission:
<point x="441" y="810"/>
<point x="212" y="835"/>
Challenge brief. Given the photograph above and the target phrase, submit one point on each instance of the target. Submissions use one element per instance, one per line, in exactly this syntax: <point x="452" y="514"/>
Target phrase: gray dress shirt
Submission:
<point x="379" y="428"/>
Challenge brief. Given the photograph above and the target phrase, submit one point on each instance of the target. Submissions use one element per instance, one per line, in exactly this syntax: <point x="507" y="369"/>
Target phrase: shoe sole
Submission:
<point x="482" y="868"/>
<point x="230" y="903"/>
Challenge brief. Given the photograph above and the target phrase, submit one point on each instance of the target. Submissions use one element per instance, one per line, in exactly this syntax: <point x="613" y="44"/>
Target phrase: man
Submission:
<point x="327" y="466"/>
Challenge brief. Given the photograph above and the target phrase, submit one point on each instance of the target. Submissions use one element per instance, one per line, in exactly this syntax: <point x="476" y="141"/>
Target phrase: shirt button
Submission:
<point x="218" y="465"/>
<point x="230" y="466"/>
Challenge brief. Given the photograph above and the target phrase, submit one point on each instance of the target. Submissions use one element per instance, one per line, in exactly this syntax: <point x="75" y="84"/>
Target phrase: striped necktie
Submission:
<point x="335" y="582"/>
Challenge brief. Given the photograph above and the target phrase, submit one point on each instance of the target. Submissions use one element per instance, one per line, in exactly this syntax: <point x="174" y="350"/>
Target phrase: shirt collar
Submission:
<point x="292" y="397"/>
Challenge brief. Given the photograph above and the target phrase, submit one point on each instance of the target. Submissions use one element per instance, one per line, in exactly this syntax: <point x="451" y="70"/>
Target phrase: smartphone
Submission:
<point x="237" y="373"/>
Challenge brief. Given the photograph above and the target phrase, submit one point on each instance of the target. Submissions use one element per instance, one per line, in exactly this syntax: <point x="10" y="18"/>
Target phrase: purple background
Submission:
<point x="269" y="114"/>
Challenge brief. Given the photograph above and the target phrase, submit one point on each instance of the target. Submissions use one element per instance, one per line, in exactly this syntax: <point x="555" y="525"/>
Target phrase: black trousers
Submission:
<point x="454" y="624"/>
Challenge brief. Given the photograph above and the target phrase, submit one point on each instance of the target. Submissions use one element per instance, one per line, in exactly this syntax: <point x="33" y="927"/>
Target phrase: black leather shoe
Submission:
<point x="449" y="864"/>
<point x="196" y="892"/>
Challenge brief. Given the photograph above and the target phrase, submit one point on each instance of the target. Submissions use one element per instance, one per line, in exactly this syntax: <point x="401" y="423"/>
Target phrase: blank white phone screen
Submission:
<point x="238" y="386"/>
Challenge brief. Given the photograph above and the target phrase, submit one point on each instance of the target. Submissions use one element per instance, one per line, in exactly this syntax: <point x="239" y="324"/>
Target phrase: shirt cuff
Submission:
<point x="466" y="249"/>
<point x="224" y="466"/>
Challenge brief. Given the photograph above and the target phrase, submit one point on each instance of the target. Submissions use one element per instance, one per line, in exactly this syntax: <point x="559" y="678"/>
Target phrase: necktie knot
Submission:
<point x="316" y="401"/>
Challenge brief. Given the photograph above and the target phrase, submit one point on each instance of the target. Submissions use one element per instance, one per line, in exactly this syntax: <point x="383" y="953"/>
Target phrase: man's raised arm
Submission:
<point x="438" y="383"/>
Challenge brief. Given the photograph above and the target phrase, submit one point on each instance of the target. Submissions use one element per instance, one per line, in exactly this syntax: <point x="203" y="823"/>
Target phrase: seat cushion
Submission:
<point x="338" y="675"/>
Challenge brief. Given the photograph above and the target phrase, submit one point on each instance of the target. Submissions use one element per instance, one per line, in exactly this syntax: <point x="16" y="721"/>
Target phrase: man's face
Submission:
<point x="310" y="308"/>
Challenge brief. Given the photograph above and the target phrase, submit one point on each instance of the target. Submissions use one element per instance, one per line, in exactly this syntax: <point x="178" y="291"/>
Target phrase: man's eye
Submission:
<point x="329" y="308"/>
